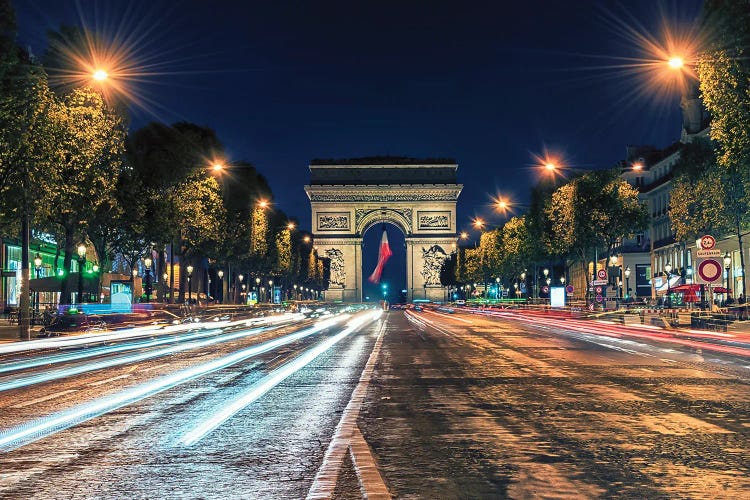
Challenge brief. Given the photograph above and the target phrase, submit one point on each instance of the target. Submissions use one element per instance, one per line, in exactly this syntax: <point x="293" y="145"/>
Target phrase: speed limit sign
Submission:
<point x="707" y="242"/>
<point x="601" y="274"/>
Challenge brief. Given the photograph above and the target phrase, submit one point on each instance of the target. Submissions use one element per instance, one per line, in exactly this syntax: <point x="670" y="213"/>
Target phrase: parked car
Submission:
<point x="72" y="323"/>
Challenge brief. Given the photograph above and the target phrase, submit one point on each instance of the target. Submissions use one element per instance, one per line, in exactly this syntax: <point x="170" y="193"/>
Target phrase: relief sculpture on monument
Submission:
<point x="338" y="273"/>
<point x="433" y="259"/>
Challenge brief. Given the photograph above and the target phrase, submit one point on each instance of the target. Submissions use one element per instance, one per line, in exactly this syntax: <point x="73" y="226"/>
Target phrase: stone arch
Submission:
<point x="365" y="218"/>
<point x="348" y="197"/>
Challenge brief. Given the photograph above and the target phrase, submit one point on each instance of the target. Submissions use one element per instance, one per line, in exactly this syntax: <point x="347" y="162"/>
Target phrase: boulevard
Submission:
<point x="461" y="403"/>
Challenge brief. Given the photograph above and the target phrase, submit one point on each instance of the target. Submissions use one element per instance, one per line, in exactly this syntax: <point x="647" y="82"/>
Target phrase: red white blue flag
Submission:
<point x="384" y="254"/>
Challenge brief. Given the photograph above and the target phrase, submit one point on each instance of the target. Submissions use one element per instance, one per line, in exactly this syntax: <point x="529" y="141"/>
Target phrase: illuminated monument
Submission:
<point x="350" y="196"/>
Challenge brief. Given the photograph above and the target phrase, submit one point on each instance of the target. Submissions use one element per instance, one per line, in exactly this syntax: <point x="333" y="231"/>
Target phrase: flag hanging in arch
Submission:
<point x="384" y="253"/>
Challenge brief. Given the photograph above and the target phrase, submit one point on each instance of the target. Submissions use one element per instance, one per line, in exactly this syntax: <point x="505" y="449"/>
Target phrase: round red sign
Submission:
<point x="708" y="242"/>
<point x="601" y="274"/>
<point x="709" y="270"/>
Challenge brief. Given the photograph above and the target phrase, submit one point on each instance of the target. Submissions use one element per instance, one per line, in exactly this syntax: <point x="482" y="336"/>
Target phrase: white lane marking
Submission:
<point x="328" y="474"/>
<point x="367" y="471"/>
<point x="101" y="382"/>
<point x="42" y="399"/>
<point x="668" y="360"/>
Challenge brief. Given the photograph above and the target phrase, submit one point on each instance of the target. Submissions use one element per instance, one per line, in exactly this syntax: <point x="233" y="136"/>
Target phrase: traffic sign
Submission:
<point x="707" y="242"/>
<point x="597" y="282"/>
<point x="545" y="289"/>
<point x="598" y="290"/>
<point x="599" y="298"/>
<point x="591" y="306"/>
<point x="601" y="274"/>
<point x="569" y="288"/>
<point x="714" y="252"/>
<point x="709" y="270"/>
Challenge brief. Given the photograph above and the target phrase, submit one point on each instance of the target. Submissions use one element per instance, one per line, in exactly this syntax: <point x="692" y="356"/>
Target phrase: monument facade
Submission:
<point x="348" y="197"/>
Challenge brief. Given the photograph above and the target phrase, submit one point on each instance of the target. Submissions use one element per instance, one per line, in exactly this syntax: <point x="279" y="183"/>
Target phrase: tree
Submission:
<point x="514" y="248"/>
<point x="724" y="72"/>
<point x="25" y="145"/>
<point x="89" y="140"/>
<point x="690" y="213"/>
<point x="489" y="253"/>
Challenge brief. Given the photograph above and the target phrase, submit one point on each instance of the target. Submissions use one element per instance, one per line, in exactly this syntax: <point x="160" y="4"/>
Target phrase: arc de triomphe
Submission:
<point x="419" y="197"/>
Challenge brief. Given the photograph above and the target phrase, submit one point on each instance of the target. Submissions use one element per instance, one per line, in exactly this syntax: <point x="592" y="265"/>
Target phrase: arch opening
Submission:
<point x="393" y="282"/>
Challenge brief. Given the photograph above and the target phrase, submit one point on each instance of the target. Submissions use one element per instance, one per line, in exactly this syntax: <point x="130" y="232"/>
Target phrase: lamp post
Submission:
<point x="668" y="270"/>
<point x="38" y="267"/>
<point x="165" y="277"/>
<point x="627" y="282"/>
<point x="295" y="292"/>
<point x="240" y="277"/>
<point x="220" y="274"/>
<point x="81" y="265"/>
<point x="147" y="277"/>
<point x="727" y="266"/>
<point x="523" y="279"/>
<point x="270" y="291"/>
<point x="189" y="270"/>
<point x="133" y="273"/>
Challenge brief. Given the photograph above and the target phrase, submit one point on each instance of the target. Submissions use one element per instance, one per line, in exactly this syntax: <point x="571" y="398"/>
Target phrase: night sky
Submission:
<point x="487" y="83"/>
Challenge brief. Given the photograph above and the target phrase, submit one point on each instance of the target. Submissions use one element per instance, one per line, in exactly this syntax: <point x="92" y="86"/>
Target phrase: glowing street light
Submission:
<point x="464" y="235"/>
<point x="290" y="226"/>
<point x="676" y="62"/>
<point x="263" y="204"/>
<point x="100" y="75"/>
<point x="478" y="223"/>
<point x="217" y="167"/>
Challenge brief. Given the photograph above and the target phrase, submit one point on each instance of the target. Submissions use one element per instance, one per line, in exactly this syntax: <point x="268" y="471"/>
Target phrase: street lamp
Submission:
<point x="220" y="274"/>
<point x="627" y="282"/>
<point x="727" y="265"/>
<point x="81" y="265"/>
<point x="668" y="270"/>
<point x="38" y="267"/>
<point x="189" y="270"/>
<point x="295" y="292"/>
<point x="562" y="280"/>
<point x="270" y="291"/>
<point x="165" y="277"/>
<point x="147" y="263"/>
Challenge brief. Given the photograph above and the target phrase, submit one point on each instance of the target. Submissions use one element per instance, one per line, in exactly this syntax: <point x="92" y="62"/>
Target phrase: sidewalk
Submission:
<point x="9" y="332"/>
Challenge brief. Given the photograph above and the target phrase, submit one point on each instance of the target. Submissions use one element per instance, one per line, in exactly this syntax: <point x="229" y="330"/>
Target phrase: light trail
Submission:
<point x="619" y="331"/>
<point x="133" y="333"/>
<point x="26" y="433"/>
<point x="24" y="381"/>
<point x="274" y="378"/>
<point x="99" y="351"/>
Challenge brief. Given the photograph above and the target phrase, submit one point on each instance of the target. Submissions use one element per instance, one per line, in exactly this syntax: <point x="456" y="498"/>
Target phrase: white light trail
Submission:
<point x="166" y="339"/>
<point x="26" y="433"/>
<point x="270" y="381"/>
<point x="131" y="333"/>
<point x="100" y="351"/>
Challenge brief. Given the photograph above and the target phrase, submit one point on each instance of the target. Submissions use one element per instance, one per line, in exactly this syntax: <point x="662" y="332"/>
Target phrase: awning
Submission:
<point x="53" y="283"/>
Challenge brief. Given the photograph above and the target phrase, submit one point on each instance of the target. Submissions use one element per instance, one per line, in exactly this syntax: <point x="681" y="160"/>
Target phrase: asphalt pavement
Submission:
<point x="406" y="405"/>
<point x="467" y="406"/>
